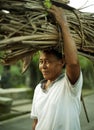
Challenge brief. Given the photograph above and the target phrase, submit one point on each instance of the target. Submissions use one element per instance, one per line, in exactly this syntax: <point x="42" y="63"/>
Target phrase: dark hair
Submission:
<point x="54" y="52"/>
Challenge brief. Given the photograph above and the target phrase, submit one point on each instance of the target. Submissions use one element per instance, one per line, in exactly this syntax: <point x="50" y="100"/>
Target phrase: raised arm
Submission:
<point x="70" y="51"/>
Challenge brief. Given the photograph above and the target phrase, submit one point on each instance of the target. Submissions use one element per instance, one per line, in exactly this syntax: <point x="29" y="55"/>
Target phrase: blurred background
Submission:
<point x="12" y="76"/>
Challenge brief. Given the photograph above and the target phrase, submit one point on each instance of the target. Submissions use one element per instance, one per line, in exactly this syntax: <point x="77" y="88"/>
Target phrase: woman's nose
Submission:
<point x="44" y="65"/>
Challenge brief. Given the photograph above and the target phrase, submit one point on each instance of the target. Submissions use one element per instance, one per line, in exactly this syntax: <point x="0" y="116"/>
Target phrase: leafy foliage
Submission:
<point x="88" y="72"/>
<point x="47" y="4"/>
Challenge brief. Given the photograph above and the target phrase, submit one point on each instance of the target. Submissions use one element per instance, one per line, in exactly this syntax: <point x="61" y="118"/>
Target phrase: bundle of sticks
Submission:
<point x="26" y="27"/>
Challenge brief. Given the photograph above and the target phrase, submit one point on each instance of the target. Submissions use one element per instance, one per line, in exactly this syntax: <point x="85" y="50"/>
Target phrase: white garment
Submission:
<point x="59" y="107"/>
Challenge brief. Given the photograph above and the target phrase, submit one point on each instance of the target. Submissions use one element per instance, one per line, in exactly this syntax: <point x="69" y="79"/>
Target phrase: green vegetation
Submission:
<point x="11" y="76"/>
<point x="87" y="67"/>
<point x="47" y="4"/>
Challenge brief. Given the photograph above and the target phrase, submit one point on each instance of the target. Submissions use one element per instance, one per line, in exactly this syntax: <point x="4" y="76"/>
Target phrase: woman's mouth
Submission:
<point x="45" y="73"/>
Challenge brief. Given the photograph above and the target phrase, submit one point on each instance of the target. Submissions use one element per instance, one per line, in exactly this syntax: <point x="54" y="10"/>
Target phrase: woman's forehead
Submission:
<point x="51" y="53"/>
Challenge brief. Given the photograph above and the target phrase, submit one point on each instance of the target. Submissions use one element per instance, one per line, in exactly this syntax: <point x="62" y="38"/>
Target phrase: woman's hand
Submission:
<point x="58" y="14"/>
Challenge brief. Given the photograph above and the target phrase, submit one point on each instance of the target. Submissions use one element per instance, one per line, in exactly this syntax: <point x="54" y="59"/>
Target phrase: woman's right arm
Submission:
<point x="34" y="124"/>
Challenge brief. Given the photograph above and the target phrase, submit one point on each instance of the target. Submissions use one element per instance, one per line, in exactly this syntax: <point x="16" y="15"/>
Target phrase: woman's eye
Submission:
<point x="44" y="62"/>
<point x="40" y="62"/>
<point x="47" y="62"/>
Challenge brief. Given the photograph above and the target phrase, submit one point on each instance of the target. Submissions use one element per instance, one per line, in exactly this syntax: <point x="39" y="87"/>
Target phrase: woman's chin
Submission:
<point x="46" y="77"/>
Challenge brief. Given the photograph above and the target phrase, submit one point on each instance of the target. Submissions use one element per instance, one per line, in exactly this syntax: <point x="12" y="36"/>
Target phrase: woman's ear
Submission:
<point x="63" y="62"/>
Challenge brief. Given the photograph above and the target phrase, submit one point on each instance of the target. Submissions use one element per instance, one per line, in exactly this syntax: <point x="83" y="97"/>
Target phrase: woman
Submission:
<point x="56" y="102"/>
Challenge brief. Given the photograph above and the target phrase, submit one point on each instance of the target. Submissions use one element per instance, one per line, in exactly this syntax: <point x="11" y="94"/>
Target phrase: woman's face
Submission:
<point x="50" y="66"/>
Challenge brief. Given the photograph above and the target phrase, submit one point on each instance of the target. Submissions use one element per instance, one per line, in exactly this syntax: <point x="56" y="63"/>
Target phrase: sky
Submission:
<point x="83" y="3"/>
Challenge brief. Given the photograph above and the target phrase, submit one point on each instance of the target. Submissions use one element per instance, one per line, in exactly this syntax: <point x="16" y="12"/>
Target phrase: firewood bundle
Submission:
<point x="26" y="27"/>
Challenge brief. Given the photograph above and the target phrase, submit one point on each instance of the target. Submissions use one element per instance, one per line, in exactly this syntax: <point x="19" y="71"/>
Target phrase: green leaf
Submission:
<point x="47" y="4"/>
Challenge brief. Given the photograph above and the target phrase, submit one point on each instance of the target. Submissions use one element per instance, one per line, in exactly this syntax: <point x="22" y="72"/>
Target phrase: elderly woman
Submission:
<point x="56" y="102"/>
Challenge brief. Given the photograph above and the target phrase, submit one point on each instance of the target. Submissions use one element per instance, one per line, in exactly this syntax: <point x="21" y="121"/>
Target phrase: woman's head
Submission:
<point x="51" y="63"/>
